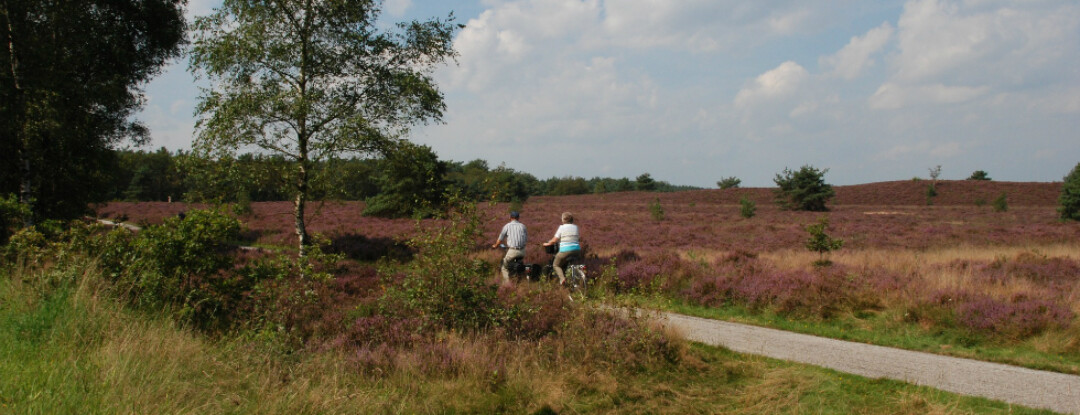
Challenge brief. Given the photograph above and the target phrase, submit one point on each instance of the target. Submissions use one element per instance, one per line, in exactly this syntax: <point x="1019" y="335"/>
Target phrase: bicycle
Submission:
<point x="577" y="280"/>
<point x="519" y="270"/>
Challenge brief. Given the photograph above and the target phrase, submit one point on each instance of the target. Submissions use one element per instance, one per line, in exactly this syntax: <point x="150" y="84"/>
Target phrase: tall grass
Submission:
<point x="68" y="346"/>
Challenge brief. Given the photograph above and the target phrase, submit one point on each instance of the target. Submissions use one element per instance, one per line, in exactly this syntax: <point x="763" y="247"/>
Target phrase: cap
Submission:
<point x="514" y="214"/>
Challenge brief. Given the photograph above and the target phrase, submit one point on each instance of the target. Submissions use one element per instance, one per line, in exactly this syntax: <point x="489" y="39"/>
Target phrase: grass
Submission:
<point x="67" y="347"/>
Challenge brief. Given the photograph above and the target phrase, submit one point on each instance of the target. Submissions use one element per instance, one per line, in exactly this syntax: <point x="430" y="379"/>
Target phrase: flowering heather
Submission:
<point x="879" y="215"/>
<point x="1020" y="317"/>
<point x="651" y="255"/>
<point x="538" y="312"/>
<point x="1055" y="273"/>
<point x="821" y="292"/>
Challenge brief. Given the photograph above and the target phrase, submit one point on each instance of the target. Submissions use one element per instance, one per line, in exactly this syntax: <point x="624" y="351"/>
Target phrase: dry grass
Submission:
<point x="931" y="266"/>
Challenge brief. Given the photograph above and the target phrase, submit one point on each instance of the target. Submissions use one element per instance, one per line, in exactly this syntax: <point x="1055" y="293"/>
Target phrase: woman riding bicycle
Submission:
<point x="569" y="239"/>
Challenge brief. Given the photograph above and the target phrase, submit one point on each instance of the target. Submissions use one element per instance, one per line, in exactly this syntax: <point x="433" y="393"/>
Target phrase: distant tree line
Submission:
<point x="414" y="174"/>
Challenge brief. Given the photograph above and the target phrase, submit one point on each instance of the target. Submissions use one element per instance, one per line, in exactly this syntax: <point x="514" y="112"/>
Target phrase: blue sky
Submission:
<point x="692" y="91"/>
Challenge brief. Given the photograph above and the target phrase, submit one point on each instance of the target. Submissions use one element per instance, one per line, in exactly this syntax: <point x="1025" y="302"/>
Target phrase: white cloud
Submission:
<point x="397" y="8"/>
<point x="988" y="42"/>
<point x="855" y="57"/>
<point x="893" y="96"/>
<point x="693" y="90"/>
<point x="780" y="82"/>
<point x="703" y="25"/>
<point x="201" y="7"/>
<point x="515" y="41"/>
<point x="951" y="52"/>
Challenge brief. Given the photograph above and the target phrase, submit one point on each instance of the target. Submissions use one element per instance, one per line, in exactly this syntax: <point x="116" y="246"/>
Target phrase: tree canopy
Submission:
<point x="804" y="189"/>
<point x="69" y="82"/>
<point x="310" y="80"/>
<point x="1069" y="201"/>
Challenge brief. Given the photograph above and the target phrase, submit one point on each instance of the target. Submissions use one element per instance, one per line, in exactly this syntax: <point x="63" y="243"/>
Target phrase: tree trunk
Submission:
<point x="301" y="200"/>
<point x="25" y="185"/>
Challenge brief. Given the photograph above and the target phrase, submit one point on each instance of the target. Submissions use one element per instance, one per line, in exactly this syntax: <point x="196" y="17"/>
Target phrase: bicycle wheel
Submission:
<point x="578" y="282"/>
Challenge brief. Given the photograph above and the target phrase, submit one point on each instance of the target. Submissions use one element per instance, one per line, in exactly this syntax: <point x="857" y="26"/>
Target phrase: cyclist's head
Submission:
<point x="514" y="214"/>
<point x="567" y="217"/>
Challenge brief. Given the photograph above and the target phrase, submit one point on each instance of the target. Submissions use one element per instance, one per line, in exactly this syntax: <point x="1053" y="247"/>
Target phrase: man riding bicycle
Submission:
<point x="515" y="236"/>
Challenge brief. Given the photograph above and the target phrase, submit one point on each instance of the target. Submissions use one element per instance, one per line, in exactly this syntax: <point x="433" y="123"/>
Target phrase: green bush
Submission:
<point x="804" y="189"/>
<point x="979" y="175"/>
<point x="444" y="285"/>
<point x="1069" y="200"/>
<point x="747" y="207"/>
<point x="655" y="210"/>
<point x="12" y="214"/>
<point x="1001" y="203"/>
<point x="729" y="183"/>
<point x="183" y="265"/>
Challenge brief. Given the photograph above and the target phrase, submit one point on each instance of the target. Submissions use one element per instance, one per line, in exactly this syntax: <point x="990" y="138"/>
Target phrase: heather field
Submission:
<point x="949" y="275"/>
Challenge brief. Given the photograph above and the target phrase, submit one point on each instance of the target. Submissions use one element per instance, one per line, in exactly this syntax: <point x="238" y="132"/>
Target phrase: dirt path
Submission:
<point x="1032" y="388"/>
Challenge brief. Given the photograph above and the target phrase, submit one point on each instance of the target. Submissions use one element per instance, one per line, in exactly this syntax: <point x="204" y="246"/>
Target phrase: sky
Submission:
<point x="694" y="91"/>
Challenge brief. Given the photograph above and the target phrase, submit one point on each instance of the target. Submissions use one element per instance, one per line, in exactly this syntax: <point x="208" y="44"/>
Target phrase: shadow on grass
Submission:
<point x="363" y="248"/>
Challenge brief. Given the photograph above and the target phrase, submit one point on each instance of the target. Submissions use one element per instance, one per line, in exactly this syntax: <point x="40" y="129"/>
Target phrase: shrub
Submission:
<point x="1001" y="203"/>
<point x="747" y="208"/>
<point x="655" y="210"/>
<point x="804" y="189"/>
<point x="935" y="172"/>
<point x="979" y="175"/>
<point x="1069" y="200"/>
<point x="729" y="183"/>
<point x="820" y="242"/>
<point x="12" y="215"/>
<point x="294" y="299"/>
<point x="184" y="264"/>
<point x="442" y="284"/>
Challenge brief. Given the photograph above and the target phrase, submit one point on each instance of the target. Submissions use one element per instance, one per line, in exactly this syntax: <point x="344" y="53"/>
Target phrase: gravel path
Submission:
<point x="1032" y="388"/>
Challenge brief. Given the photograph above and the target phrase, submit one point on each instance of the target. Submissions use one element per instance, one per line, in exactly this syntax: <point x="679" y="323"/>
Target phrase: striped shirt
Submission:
<point x="514" y="234"/>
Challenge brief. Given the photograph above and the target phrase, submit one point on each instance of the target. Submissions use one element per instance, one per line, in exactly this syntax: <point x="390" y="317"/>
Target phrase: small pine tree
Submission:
<point x="747" y="207"/>
<point x="656" y="210"/>
<point x="1001" y="204"/>
<point x="1069" y="200"/>
<point x="821" y="242"/>
<point x="729" y="183"/>
<point x="645" y="183"/>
